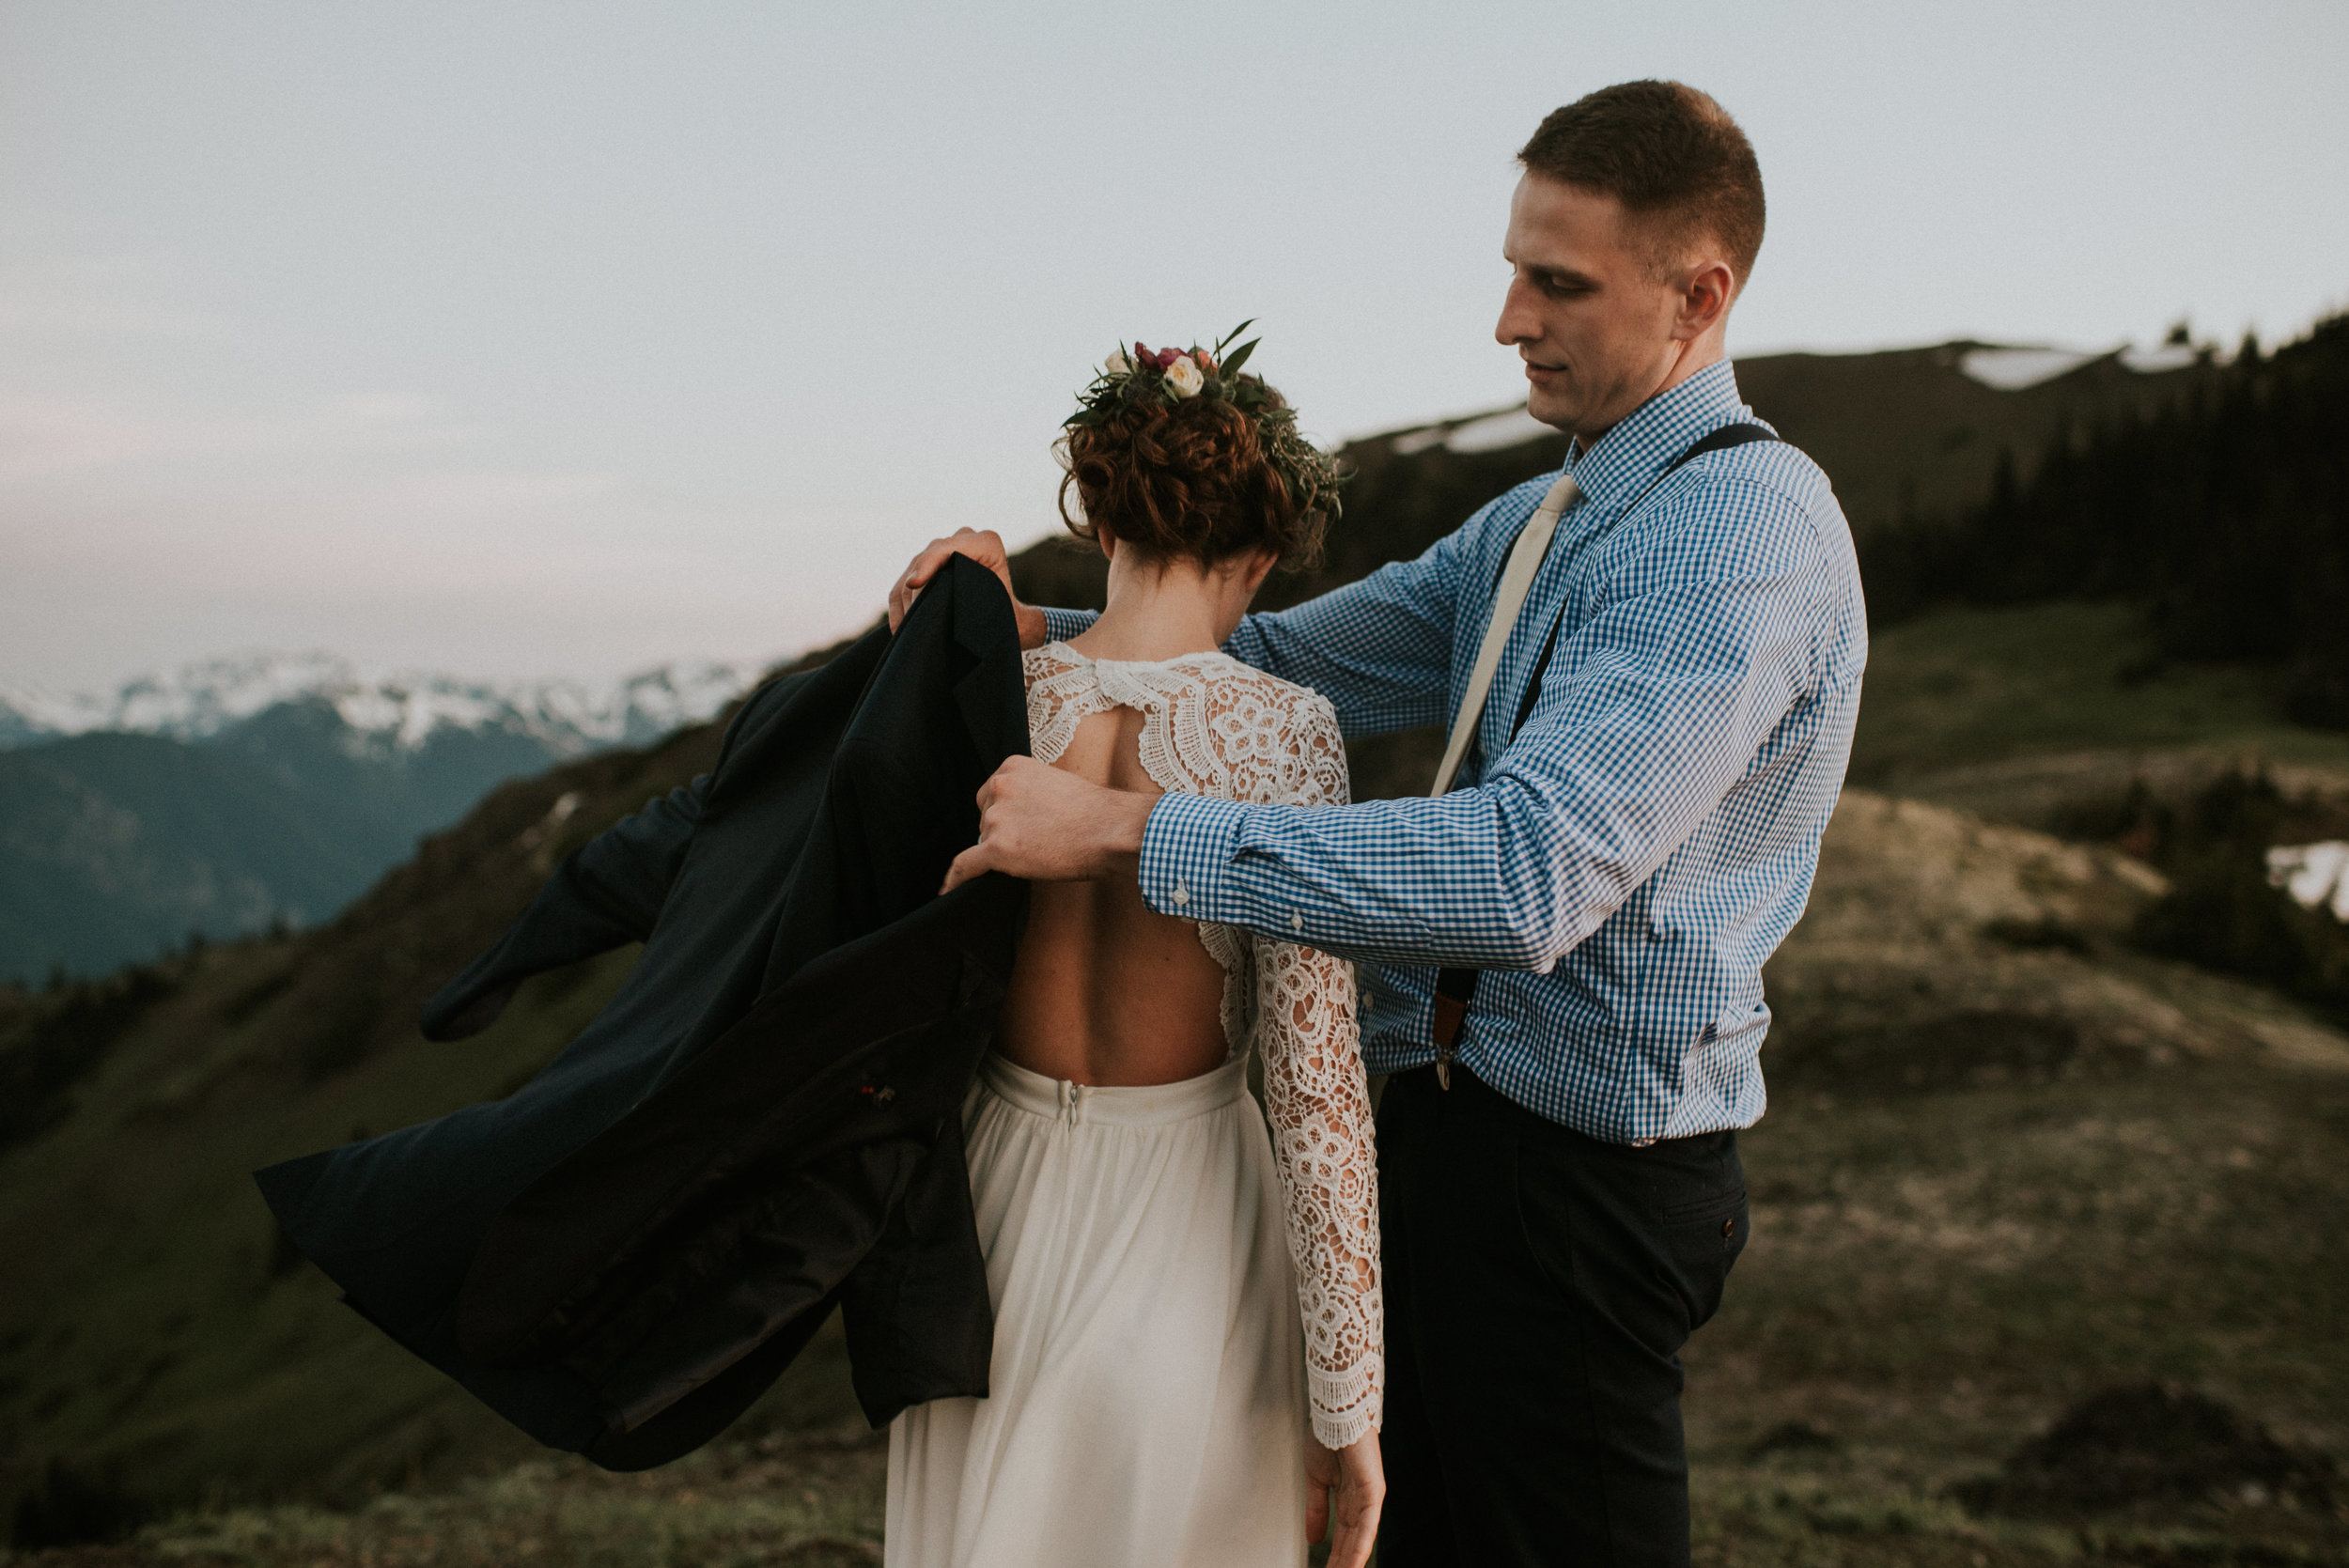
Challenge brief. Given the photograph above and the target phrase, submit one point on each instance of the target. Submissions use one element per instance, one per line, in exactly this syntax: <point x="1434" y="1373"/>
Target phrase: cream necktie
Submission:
<point x="1516" y="581"/>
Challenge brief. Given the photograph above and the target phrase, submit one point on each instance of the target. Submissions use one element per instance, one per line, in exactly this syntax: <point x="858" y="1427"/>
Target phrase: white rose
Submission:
<point x="1118" y="363"/>
<point x="1183" y="377"/>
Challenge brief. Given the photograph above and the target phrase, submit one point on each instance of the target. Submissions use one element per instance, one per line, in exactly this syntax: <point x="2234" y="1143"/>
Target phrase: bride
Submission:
<point x="1187" y="1343"/>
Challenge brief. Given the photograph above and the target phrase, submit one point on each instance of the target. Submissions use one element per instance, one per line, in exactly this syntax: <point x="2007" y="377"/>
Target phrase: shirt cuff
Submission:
<point x="1186" y="851"/>
<point x="1061" y="625"/>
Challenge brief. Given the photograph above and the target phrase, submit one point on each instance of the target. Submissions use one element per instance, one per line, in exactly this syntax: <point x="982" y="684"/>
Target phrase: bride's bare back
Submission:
<point x="1105" y="991"/>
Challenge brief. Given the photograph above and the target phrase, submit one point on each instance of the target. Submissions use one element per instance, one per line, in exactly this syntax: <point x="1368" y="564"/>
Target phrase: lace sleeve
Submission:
<point x="1317" y="1101"/>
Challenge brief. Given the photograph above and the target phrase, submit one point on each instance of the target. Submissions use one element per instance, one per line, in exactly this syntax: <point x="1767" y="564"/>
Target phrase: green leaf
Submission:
<point x="1230" y="367"/>
<point x="1217" y="350"/>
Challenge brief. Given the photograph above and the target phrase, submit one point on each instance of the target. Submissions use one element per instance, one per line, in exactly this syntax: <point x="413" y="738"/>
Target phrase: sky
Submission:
<point x="532" y="338"/>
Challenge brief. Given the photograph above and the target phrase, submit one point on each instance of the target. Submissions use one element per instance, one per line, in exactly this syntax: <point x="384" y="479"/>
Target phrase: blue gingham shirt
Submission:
<point x="1623" y="866"/>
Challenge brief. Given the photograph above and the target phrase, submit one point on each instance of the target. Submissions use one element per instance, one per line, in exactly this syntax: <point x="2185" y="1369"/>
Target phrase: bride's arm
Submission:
<point x="1318" y="1104"/>
<point x="1317" y="1101"/>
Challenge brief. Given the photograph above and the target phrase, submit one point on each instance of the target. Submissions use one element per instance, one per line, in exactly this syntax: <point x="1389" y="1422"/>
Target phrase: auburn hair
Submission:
<point x="1671" y="155"/>
<point x="1188" y="480"/>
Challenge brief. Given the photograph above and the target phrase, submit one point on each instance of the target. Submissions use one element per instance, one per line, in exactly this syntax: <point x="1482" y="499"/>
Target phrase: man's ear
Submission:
<point x="1706" y="293"/>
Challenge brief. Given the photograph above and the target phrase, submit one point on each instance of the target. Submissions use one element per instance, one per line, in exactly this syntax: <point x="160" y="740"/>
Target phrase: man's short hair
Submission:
<point x="1671" y="155"/>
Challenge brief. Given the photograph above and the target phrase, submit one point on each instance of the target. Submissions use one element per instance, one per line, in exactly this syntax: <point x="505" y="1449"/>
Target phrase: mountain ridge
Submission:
<point x="203" y="698"/>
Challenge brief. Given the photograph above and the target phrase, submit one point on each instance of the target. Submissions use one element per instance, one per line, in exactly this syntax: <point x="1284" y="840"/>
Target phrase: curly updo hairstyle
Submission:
<point x="1199" y="479"/>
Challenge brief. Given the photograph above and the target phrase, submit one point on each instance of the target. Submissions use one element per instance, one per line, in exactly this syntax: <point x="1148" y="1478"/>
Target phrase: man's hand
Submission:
<point x="986" y="549"/>
<point x="1359" y="1479"/>
<point x="1047" y="826"/>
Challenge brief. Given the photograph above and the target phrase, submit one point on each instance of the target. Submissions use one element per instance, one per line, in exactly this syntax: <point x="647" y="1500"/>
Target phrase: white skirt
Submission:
<point x="1146" y="1400"/>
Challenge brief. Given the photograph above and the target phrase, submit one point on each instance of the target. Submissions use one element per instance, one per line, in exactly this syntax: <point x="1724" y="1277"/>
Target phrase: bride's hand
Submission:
<point x="1359" y="1483"/>
<point x="984" y="546"/>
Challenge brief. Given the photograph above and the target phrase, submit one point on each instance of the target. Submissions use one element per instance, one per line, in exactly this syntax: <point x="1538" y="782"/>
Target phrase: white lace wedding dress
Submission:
<point x="1174" y="1290"/>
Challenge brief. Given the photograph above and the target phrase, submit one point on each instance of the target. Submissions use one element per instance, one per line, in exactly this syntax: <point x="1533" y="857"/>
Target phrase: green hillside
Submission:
<point x="120" y="845"/>
<point x="2000" y="1174"/>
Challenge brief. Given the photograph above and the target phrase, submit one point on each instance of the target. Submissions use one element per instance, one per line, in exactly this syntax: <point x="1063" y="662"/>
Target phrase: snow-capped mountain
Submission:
<point x="230" y="791"/>
<point x="398" y="710"/>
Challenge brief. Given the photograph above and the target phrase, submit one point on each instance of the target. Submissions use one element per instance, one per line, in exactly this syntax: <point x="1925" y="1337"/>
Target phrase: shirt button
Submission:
<point x="1297" y="923"/>
<point x="1182" y="895"/>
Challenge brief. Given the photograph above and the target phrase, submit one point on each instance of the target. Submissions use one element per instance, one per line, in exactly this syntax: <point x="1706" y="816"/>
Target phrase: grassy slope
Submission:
<point x="1936" y="1271"/>
<point x="2018" y="712"/>
<point x="1940" y="1269"/>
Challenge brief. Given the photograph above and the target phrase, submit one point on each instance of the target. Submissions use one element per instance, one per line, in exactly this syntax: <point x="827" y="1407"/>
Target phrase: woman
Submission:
<point x="1186" y="1310"/>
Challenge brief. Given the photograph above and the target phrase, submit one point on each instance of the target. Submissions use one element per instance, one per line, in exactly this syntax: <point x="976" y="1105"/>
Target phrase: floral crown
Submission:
<point x="1128" y="380"/>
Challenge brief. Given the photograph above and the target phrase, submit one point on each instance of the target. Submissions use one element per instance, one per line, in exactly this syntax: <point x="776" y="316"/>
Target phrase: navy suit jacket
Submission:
<point x="765" y="1122"/>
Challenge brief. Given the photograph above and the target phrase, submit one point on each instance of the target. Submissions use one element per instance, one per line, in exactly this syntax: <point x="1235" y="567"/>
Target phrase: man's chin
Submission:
<point x="1551" y="409"/>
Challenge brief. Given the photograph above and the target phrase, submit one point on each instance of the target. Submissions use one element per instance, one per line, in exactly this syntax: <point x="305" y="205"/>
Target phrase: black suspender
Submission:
<point x="1455" y="988"/>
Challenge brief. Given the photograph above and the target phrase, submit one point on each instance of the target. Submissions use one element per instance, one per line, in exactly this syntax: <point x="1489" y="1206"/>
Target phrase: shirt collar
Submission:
<point x="1629" y="457"/>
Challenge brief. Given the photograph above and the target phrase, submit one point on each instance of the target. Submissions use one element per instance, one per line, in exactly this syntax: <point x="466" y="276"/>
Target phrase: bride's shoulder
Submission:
<point x="1049" y="662"/>
<point x="1049" y="655"/>
<point x="1230" y="681"/>
<point x="1281" y="738"/>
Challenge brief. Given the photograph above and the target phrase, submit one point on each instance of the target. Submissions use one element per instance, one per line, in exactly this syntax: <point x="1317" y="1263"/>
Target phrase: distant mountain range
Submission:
<point x="232" y="793"/>
<point x="398" y="712"/>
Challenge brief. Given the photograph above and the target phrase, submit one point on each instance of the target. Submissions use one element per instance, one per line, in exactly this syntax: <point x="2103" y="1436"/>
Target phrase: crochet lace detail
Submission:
<point x="1214" y="726"/>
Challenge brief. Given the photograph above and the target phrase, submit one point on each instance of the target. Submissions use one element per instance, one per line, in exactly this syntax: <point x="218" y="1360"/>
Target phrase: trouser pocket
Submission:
<point x="1703" y="1237"/>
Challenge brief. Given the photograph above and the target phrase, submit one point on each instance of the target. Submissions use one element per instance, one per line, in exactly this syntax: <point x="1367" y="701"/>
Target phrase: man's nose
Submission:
<point x="1518" y="322"/>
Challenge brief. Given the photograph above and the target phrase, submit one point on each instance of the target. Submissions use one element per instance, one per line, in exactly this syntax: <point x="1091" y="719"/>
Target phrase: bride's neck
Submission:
<point x="1164" y="609"/>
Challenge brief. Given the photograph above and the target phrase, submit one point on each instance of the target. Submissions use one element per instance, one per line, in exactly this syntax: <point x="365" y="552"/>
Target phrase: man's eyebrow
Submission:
<point x="1562" y="274"/>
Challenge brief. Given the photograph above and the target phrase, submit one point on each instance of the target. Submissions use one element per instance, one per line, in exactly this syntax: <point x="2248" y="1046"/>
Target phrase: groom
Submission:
<point x="1578" y="927"/>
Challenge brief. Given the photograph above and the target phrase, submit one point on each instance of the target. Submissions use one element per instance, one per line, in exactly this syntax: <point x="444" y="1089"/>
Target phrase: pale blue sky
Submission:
<point x="539" y="338"/>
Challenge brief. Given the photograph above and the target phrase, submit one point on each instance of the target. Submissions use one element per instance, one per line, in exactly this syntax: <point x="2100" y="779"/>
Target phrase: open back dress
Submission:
<point x="1177" y="1292"/>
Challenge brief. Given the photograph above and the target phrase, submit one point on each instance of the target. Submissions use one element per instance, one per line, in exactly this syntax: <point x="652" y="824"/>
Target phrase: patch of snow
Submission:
<point x="2315" y="875"/>
<point x="1496" y="431"/>
<point x="2161" y="357"/>
<point x="207" y="697"/>
<point x="35" y="712"/>
<point x="2013" y="369"/>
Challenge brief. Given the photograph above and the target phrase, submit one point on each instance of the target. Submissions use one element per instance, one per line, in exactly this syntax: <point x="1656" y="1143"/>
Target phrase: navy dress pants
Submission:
<point x="1539" y="1285"/>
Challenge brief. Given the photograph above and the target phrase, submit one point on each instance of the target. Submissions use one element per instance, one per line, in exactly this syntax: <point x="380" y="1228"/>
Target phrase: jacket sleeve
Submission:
<point x="606" y="895"/>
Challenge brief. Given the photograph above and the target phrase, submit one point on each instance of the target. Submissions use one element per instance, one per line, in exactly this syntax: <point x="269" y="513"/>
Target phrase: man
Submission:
<point x="1635" y="829"/>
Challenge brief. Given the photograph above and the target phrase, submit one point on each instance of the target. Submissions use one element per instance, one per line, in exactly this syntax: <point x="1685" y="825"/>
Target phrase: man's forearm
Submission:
<point x="1385" y="880"/>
